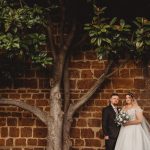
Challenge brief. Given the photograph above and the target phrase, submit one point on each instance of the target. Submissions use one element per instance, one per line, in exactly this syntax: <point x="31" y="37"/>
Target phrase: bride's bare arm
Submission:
<point x="138" y="120"/>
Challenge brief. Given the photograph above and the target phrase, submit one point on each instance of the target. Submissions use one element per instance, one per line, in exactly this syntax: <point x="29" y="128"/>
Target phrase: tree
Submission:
<point x="25" y="28"/>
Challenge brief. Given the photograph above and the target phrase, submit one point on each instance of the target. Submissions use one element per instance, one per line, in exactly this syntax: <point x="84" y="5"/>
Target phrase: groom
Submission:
<point x="110" y="128"/>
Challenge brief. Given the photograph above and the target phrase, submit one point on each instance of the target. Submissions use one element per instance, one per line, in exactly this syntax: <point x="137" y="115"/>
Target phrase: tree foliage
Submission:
<point x="22" y="32"/>
<point x="113" y="38"/>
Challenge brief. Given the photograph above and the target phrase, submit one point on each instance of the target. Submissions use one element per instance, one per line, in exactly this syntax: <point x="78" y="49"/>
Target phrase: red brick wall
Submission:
<point x="20" y="130"/>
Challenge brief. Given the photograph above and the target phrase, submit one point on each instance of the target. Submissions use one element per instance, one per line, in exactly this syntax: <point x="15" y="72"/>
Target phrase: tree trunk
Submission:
<point x="55" y="121"/>
<point x="66" y="133"/>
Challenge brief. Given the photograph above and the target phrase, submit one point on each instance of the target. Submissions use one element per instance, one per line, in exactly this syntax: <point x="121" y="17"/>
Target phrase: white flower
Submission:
<point x="120" y="119"/>
<point x="127" y="117"/>
<point x="124" y="121"/>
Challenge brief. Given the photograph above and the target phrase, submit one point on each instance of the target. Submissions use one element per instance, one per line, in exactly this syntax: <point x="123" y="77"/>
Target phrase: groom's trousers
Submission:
<point x="110" y="144"/>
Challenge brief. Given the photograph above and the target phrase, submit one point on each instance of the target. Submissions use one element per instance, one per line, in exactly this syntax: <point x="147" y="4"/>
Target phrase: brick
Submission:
<point x="40" y="132"/>
<point x="72" y="84"/>
<point x="16" y="114"/>
<point x="99" y="134"/>
<point x="87" y="133"/>
<point x="89" y="149"/>
<point x="124" y="73"/>
<point x="139" y="83"/>
<point x="105" y="96"/>
<point x="86" y="74"/>
<point x="25" y="95"/>
<point x="123" y="83"/>
<point x="33" y="91"/>
<point x="28" y="148"/>
<point x="94" y="122"/>
<point x="81" y="123"/>
<point x="40" y="123"/>
<point x="101" y="102"/>
<point x="92" y="142"/>
<point x="4" y="95"/>
<point x="47" y="96"/>
<point x="97" y="115"/>
<point x="26" y="122"/>
<point x="11" y="108"/>
<point x="42" y="103"/>
<point x="85" y="84"/>
<point x="26" y="132"/>
<point x="21" y="91"/>
<point x="130" y="65"/>
<point x="5" y="114"/>
<point x="2" y="142"/>
<point x="98" y="73"/>
<point x="14" y="96"/>
<point x="91" y="109"/>
<point x="2" y="121"/>
<point x="38" y="96"/>
<point x="11" y="121"/>
<point x="2" y="108"/>
<point x="80" y="65"/>
<point x="30" y="102"/>
<point x="42" y="142"/>
<point x="4" y="132"/>
<point x="79" y="142"/>
<point x="32" y="142"/>
<point x="9" y="142"/>
<point x="136" y="72"/>
<point x="90" y="56"/>
<point x="14" y="132"/>
<point x="75" y="133"/>
<point x="74" y="74"/>
<point x="20" y="142"/>
<point x="98" y="65"/>
<point x="39" y="148"/>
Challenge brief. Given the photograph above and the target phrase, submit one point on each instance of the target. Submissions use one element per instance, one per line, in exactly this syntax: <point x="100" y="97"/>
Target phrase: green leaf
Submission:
<point x="113" y="21"/>
<point x="93" y="40"/>
<point x="122" y="22"/>
<point x="99" y="41"/>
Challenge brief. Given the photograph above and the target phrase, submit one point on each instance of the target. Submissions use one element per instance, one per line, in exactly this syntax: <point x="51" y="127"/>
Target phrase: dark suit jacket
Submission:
<point x="109" y="126"/>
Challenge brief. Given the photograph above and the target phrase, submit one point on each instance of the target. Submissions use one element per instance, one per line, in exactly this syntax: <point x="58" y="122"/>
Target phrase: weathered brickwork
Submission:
<point x="20" y="130"/>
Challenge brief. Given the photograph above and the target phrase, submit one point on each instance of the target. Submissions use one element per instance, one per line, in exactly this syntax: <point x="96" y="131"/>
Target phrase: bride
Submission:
<point x="135" y="134"/>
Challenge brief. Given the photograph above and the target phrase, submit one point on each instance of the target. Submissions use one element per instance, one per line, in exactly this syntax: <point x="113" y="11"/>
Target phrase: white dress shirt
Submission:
<point x="115" y="108"/>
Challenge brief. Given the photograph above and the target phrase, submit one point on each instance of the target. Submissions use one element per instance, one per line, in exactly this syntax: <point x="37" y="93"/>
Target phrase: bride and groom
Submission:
<point x="132" y="135"/>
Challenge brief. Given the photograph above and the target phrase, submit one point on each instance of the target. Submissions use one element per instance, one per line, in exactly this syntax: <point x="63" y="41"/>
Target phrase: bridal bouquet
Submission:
<point x="121" y="118"/>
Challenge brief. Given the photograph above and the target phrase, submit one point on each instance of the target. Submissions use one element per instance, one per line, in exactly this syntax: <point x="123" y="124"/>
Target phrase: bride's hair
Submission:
<point x="131" y="95"/>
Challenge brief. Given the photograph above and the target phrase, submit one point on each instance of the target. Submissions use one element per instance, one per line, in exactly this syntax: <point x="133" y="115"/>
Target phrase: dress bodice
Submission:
<point x="132" y="112"/>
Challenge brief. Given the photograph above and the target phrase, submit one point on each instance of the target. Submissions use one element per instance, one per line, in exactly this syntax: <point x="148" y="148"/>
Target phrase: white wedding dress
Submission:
<point x="133" y="137"/>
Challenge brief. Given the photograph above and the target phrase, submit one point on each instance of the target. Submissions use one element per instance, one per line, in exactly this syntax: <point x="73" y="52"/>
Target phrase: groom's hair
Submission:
<point x="114" y="94"/>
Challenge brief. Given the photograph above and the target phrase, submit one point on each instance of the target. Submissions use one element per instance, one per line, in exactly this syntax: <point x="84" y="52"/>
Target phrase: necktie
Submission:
<point x="115" y="109"/>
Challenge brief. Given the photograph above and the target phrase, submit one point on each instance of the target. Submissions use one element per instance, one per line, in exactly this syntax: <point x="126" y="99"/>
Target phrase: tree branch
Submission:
<point x="62" y="22"/>
<point x="37" y="112"/>
<point x="98" y="83"/>
<point x="110" y="74"/>
<point x="70" y="36"/>
<point x="66" y="85"/>
<point x="92" y="90"/>
<point x="50" y="37"/>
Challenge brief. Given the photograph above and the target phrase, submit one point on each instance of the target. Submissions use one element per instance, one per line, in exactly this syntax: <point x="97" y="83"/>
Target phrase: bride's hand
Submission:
<point x="125" y="124"/>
